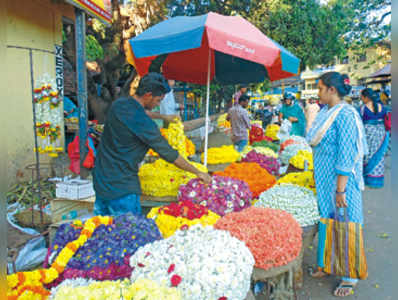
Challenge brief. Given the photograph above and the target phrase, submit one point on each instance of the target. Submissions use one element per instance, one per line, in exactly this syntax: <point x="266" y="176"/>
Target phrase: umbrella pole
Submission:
<point x="207" y="108"/>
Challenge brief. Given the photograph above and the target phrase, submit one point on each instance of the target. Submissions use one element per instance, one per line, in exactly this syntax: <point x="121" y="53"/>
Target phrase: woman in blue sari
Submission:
<point x="339" y="145"/>
<point x="294" y="113"/>
<point x="373" y="114"/>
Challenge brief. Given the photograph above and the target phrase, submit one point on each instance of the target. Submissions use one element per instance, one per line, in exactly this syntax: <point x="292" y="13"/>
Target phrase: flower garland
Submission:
<point x="256" y="177"/>
<point x="222" y="122"/>
<point x="256" y="134"/>
<point x="221" y="155"/>
<point x="25" y="284"/>
<point x="203" y="263"/>
<point x="271" y="164"/>
<point x="161" y="179"/>
<point x="271" y="131"/>
<point x="266" y="144"/>
<point x="273" y="236"/>
<point x="49" y="115"/>
<point x="190" y="147"/>
<point x="222" y="196"/>
<point x="181" y="215"/>
<point x="302" y="158"/>
<point x="263" y="150"/>
<point x="105" y="255"/>
<point x="294" y="199"/>
<point x="304" y="179"/>
<point x="82" y="289"/>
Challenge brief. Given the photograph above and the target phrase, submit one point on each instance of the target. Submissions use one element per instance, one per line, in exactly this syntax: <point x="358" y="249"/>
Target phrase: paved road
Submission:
<point x="381" y="244"/>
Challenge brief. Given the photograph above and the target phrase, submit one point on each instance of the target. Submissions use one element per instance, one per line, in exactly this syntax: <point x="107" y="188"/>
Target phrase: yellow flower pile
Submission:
<point x="142" y="289"/>
<point x="304" y="179"/>
<point x="176" y="137"/>
<point x="298" y="160"/>
<point x="169" y="224"/>
<point x="221" y="155"/>
<point x="162" y="179"/>
<point x="222" y="121"/>
<point x="271" y="131"/>
<point x="262" y="150"/>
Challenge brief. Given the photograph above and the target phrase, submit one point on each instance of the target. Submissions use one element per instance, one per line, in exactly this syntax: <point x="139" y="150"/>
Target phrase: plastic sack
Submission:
<point x="31" y="255"/>
<point x="284" y="130"/>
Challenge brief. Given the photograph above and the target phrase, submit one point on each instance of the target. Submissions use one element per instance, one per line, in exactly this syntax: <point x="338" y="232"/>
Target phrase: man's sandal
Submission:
<point x="344" y="289"/>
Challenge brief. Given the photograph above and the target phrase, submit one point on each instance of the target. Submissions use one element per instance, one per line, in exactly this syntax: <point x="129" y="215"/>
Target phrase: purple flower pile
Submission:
<point x="106" y="255"/>
<point x="222" y="196"/>
<point x="271" y="164"/>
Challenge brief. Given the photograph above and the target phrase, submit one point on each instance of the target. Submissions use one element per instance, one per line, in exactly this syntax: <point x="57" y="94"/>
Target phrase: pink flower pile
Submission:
<point x="222" y="196"/>
<point x="273" y="236"/>
<point x="271" y="164"/>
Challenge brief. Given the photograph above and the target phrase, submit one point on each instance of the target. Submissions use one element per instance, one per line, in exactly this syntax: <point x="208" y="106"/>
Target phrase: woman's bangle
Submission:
<point x="340" y="193"/>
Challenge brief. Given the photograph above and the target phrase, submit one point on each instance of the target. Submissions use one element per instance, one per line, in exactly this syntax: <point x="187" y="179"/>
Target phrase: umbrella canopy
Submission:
<point x="239" y="52"/>
<point x="386" y="71"/>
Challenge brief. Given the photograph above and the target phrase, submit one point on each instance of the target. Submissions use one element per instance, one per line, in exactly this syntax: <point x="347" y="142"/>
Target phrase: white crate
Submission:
<point x="74" y="189"/>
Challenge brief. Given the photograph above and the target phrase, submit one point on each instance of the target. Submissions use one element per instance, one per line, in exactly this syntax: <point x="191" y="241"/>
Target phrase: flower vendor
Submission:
<point x="128" y="134"/>
<point x="240" y="123"/>
<point x="294" y="113"/>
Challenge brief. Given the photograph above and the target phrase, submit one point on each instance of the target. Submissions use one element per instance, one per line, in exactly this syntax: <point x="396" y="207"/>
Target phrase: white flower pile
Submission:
<point x="211" y="264"/>
<point x="291" y="151"/>
<point x="296" y="200"/>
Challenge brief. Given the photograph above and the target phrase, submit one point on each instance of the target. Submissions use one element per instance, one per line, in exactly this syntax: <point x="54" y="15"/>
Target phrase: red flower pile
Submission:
<point x="186" y="209"/>
<point x="273" y="236"/>
<point x="256" y="134"/>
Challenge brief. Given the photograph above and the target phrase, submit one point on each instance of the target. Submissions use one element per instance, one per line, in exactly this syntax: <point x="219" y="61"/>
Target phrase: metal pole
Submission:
<point x="185" y="103"/>
<point x="36" y="145"/>
<point x="80" y="33"/>
<point x="207" y="108"/>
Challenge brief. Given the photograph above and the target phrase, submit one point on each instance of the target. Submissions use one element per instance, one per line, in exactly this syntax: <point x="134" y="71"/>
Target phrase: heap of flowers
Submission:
<point x="30" y="285"/>
<point x="222" y="121"/>
<point x="182" y="214"/>
<point x="263" y="150"/>
<point x="271" y="131"/>
<point x="291" y="150"/>
<point x="271" y="164"/>
<point x="302" y="160"/>
<point x="221" y="155"/>
<point x="266" y="144"/>
<point x="161" y="179"/>
<point x="296" y="200"/>
<point x="105" y="255"/>
<point x="273" y="236"/>
<point x="256" y="134"/>
<point x="222" y="196"/>
<point x="82" y="289"/>
<point x="258" y="179"/>
<point x="190" y="147"/>
<point x="293" y="139"/>
<point x="304" y="179"/>
<point x="201" y="262"/>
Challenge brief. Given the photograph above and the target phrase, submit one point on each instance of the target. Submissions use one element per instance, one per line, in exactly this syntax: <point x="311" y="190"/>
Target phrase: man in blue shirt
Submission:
<point x="129" y="133"/>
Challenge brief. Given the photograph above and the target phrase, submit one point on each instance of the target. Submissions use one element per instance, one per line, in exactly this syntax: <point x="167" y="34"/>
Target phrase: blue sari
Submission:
<point x="378" y="139"/>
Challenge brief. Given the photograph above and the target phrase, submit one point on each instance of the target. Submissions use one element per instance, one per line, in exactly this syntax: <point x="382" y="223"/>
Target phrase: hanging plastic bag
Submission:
<point x="284" y="130"/>
<point x="31" y="255"/>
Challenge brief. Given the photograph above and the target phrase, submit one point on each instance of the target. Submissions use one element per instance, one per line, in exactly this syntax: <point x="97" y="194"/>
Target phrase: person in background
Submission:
<point x="236" y="96"/>
<point x="240" y="123"/>
<point x="294" y="113"/>
<point x="168" y="106"/>
<point x="128" y="134"/>
<point x="70" y="109"/>
<point x="373" y="113"/>
<point x="311" y="110"/>
<point x="339" y="145"/>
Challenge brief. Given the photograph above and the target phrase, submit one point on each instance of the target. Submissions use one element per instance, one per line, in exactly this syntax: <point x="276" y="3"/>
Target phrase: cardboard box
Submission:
<point x="67" y="209"/>
<point x="74" y="189"/>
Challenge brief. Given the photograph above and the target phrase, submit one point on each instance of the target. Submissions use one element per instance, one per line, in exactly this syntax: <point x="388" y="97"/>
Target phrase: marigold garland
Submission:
<point x="256" y="177"/>
<point x="181" y="215"/>
<point x="222" y="121"/>
<point x="271" y="131"/>
<point x="273" y="236"/>
<point x="33" y="281"/>
<point x="221" y="155"/>
<point x="304" y="179"/>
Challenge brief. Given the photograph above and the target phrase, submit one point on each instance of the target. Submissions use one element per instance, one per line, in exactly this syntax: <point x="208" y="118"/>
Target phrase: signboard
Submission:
<point x="101" y="9"/>
<point x="59" y="70"/>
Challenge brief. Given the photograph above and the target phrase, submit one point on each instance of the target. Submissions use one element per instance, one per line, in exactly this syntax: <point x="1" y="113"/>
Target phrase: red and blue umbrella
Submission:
<point x="240" y="53"/>
<point x="200" y="48"/>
